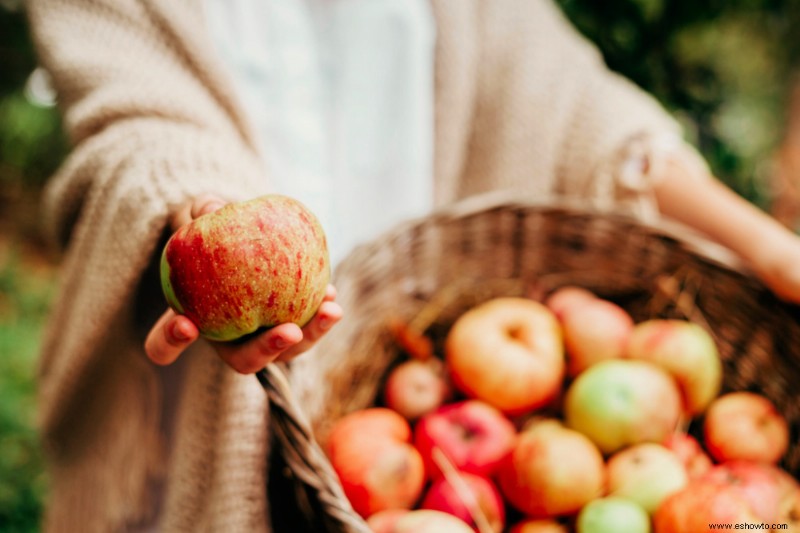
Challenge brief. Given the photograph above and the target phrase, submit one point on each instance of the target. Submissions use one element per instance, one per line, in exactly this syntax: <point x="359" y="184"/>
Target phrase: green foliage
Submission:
<point x="25" y="293"/>
<point x="723" y="68"/>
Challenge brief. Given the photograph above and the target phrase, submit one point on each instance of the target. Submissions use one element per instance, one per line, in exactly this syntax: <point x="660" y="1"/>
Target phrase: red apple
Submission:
<point x="760" y="485"/>
<point x="507" y="352"/>
<point x="700" y="503"/>
<point x="594" y="330"/>
<point x="377" y="465"/>
<point x="415" y="388"/>
<point x="247" y="266"/>
<point x="565" y="297"/>
<point x="686" y="351"/>
<point x="646" y="474"/>
<point x="552" y="471"/>
<point x="539" y="525"/>
<point x="620" y="402"/>
<point x="473" y="499"/>
<point x="472" y="435"/>
<point x="694" y="458"/>
<point x="745" y="425"/>
<point x="429" y="521"/>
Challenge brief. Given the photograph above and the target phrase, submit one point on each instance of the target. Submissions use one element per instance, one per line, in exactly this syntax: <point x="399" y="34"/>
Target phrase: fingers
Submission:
<point x="169" y="337"/>
<point x="258" y="352"/>
<point x="200" y="205"/>
<point x="328" y="314"/>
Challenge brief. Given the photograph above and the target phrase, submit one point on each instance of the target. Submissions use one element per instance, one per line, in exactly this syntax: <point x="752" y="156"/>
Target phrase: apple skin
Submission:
<point x="539" y="525"/>
<point x="415" y="388"/>
<point x="247" y="266"/>
<point x="621" y="402"/>
<point x="594" y="330"/>
<point x="384" y="521"/>
<point x="378" y="467"/>
<point x="612" y="514"/>
<point x="646" y="474"/>
<point x="507" y="352"/>
<point x="700" y="503"/>
<point x="745" y="425"/>
<point x="443" y="496"/>
<point x="564" y="298"/>
<point x="760" y="485"/>
<point x="694" y="458"/>
<point x="687" y="352"/>
<point x="429" y="521"/>
<point x="552" y="471"/>
<point x="473" y="435"/>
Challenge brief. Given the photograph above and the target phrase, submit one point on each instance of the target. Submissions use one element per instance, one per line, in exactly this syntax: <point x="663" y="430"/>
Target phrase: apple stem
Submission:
<point x="462" y="490"/>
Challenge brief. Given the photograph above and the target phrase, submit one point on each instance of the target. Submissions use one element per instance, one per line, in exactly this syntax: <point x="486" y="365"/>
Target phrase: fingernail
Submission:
<point x="279" y="344"/>
<point x="178" y="333"/>
<point x="325" y="323"/>
<point x="210" y="207"/>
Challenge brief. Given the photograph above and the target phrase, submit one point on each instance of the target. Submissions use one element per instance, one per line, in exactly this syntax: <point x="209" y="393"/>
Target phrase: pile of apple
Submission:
<point x="562" y="416"/>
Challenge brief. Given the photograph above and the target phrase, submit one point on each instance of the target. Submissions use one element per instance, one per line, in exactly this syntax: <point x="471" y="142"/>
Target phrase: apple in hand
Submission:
<point x="594" y="330"/>
<point x="612" y="514"/>
<point x="378" y="467"/>
<point x="415" y="388"/>
<point x="691" y="454"/>
<point x="472" y="435"/>
<point x="645" y="473"/>
<point x="552" y="470"/>
<point x="745" y="425"/>
<point x="469" y="497"/>
<point x="620" y="402"/>
<point x="687" y="352"/>
<point x="507" y="352"/>
<point x="247" y="266"/>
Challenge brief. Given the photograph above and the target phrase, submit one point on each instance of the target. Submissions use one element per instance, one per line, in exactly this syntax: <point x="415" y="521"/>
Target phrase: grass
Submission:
<point x="26" y="287"/>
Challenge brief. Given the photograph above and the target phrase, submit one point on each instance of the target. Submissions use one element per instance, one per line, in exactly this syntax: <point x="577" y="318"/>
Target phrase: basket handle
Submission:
<point x="304" y="456"/>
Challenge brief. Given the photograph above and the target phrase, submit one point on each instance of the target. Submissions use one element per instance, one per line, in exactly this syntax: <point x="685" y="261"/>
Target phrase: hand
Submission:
<point x="173" y="333"/>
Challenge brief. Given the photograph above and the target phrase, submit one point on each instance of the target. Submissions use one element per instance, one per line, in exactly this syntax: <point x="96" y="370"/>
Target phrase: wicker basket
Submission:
<point x="429" y="271"/>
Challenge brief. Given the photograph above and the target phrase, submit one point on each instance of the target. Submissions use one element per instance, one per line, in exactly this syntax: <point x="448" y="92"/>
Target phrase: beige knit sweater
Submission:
<point x="523" y="103"/>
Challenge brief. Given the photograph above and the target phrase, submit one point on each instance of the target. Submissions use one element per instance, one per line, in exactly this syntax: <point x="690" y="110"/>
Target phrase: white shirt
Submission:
<point x="341" y="95"/>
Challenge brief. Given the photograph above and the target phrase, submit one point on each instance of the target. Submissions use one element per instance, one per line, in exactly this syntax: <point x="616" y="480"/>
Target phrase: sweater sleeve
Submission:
<point x="153" y="123"/>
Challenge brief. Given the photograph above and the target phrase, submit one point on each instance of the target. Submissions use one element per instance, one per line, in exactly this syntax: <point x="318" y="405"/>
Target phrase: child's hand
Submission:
<point x="174" y="333"/>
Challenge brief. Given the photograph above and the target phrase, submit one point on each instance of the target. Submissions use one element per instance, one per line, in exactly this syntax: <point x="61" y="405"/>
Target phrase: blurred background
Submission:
<point x="728" y="69"/>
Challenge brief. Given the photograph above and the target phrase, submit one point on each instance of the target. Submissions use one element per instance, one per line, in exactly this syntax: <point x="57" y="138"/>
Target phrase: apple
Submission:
<point x="645" y="473"/>
<point x="507" y="352"/>
<point x="384" y="521"/>
<point x="760" y="485"/>
<point x="563" y="298"/>
<point x="552" y="470"/>
<point x="472" y="435"/>
<point x="700" y="503"/>
<point x="694" y="458"/>
<point x="247" y="266"/>
<point x="429" y="521"/>
<point x="379" y="468"/>
<point x="745" y="425"/>
<point x="473" y="499"/>
<point x="612" y="514"/>
<point x="415" y="388"/>
<point x="594" y="330"/>
<point x="539" y="525"/>
<point x="621" y="402"/>
<point x="686" y="351"/>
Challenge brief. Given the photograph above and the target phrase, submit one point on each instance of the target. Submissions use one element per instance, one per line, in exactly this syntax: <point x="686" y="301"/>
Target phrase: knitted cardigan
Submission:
<point x="522" y="103"/>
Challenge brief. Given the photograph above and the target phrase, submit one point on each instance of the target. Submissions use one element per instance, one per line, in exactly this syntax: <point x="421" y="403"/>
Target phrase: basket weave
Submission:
<point x="429" y="271"/>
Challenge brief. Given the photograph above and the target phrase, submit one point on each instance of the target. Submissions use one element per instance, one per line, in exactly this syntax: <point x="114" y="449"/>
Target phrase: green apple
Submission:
<point x="646" y="473"/>
<point x="619" y="402"/>
<point x="247" y="266"/>
<point x="612" y="514"/>
<point x="685" y="350"/>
